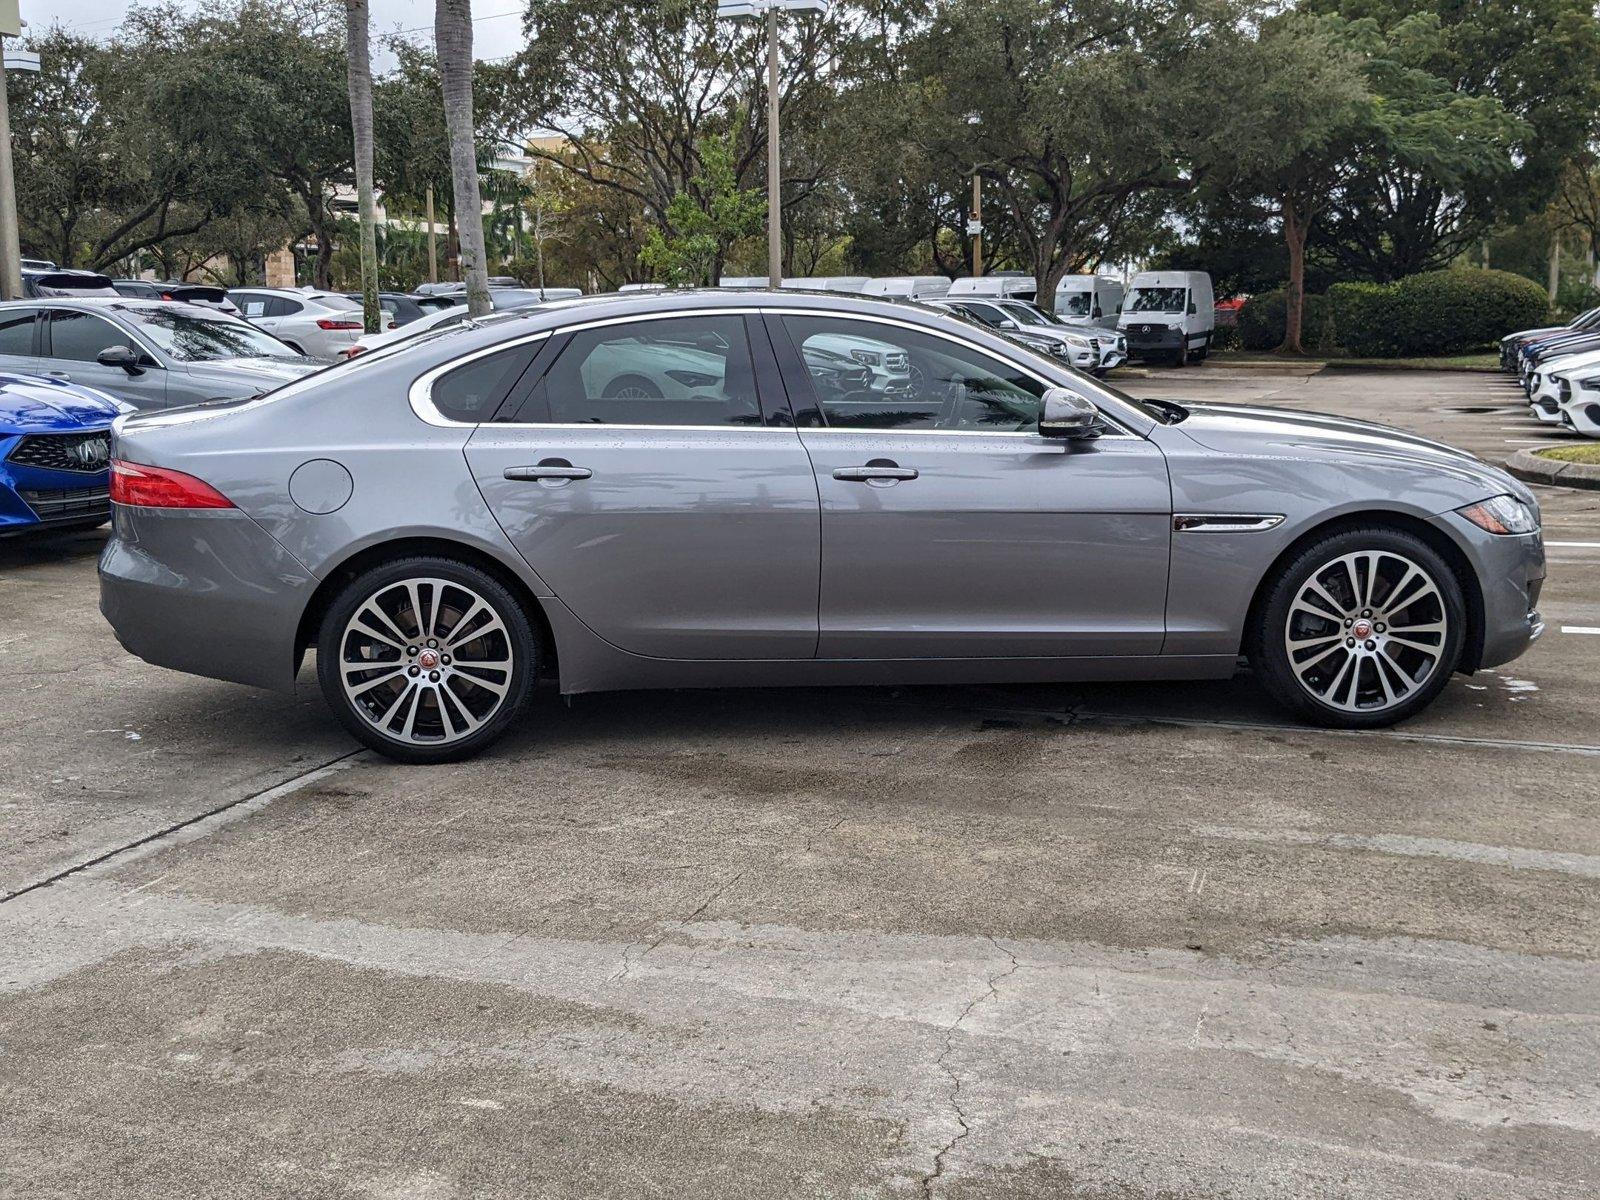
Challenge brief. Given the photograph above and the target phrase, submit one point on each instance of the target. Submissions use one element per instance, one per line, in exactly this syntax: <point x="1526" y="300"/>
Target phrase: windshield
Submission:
<point x="1027" y="314"/>
<point x="1159" y="299"/>
<point x="189" y="335"/>
<point x="1075" y="304"/>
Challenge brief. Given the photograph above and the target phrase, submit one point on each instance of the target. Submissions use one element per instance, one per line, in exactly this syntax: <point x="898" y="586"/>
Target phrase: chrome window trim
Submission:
<point x="421" y="400"/>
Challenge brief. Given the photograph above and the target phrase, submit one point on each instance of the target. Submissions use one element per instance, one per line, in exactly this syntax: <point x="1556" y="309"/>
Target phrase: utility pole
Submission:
<point x="10" y="242"/>
<point x="774" y="159"/>
<point x="433" y="246"/>
<point x="731" y="10"/>
<point x="975" y="226"/>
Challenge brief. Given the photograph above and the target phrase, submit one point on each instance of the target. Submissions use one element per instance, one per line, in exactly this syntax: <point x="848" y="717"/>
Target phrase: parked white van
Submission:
<point x="912" y="287"/>
<point x="1007" y="286"/>
<point x="827" y="283"/>
<point x="1169" y="314"/>
<point x="1093" y="298"/>
<point x="743" y="281"/>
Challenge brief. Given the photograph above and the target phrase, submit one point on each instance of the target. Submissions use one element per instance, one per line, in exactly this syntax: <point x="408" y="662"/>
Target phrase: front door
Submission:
<point x="73" y="340"/>
<point x="950" y="528"/>
<point x="18" y="352"/>
<point x="662" y="501"/>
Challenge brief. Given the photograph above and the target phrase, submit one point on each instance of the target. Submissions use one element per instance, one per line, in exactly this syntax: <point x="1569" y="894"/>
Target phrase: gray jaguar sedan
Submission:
<point x="687" y="489"/>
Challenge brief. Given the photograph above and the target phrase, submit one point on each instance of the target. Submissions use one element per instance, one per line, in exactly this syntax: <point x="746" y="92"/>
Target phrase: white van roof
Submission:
<point x="994" y="285"/>
<point x="1169" y="278"/>
<point x="827" y="283"/>
<point x="907" y="285"/>
<point x="1084" y="283"/>
<point x="743" y="281"/>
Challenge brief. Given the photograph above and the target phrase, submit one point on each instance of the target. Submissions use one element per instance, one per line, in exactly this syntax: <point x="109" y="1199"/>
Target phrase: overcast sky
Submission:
<point x="496" y="32"/>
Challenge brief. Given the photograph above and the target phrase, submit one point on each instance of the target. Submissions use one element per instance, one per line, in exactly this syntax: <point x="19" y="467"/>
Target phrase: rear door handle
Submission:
<point x="873" y="472"/>
<point x="550" y="468"/>
<point x="60" y="375"/>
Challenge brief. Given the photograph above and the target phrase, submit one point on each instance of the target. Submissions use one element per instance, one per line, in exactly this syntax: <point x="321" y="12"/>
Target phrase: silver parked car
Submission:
<point x="446" y="520"/>
<point x="148" y="353"/>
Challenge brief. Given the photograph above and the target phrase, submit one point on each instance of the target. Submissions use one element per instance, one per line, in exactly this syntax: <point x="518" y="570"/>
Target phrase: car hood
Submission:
<point x="1281" y="433"/>
<point x="247" y="376"/>
<point x="30" y="404"/>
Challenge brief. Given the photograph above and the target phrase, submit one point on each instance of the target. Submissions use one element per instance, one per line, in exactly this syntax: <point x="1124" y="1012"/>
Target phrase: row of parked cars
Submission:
<point x="1559" y="369"/>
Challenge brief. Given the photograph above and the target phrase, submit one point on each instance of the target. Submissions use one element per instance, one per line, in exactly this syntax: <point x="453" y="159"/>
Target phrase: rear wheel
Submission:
<point x="426" y="660"/>
<point x="1361" y="629"/>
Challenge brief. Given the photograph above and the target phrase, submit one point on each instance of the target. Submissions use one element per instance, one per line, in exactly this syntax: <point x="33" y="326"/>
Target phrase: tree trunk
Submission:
<point x="1294" y="236"/>
<point x="452" y="33"/>
<point x="322" y="230"/>
<point x="359" y="76"/>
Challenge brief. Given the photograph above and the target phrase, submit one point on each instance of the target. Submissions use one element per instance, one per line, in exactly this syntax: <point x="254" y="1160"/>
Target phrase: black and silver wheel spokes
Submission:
<point x="425" y="660"/>
<point x="1366" y="631"/>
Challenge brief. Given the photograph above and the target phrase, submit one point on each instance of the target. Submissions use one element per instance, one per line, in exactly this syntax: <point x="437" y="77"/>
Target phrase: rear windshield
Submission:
<point x="192" y="335"/>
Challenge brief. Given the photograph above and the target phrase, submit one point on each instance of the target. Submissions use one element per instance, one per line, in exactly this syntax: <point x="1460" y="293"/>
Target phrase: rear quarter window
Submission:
<point x="473" y="391"/>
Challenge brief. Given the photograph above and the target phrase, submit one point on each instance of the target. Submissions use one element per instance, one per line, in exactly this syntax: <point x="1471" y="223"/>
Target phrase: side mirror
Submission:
<point x="120" y="356"/>
<point x="1068" y="415"/>
<point x="1097" y="311"/>
<point x="1192" y="309"/>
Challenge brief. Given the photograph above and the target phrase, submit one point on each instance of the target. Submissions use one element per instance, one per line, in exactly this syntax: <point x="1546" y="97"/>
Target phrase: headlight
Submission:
<point x="1502" y="514"/>
<point x="1078" y="343"/>
<point x="867" y="357"/>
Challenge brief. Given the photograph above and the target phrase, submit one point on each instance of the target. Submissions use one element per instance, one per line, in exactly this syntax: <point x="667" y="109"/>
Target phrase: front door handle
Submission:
<point x="558" y="469"/>
<point x="876" y="471"/>
<point x="60" y="375"/>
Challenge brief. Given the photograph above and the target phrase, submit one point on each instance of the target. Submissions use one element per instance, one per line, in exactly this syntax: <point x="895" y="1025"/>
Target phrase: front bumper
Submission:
<point x="204" y="591"/>
<point x="1153" y="339"/>
<point x="1510" y="571"/>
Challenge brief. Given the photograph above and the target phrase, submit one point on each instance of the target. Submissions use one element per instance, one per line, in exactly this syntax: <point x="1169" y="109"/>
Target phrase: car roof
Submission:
<point x="113" y="303"/>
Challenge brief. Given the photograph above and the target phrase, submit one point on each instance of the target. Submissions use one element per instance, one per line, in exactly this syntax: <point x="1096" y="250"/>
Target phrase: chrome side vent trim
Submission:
<point x="1225" y="522"/>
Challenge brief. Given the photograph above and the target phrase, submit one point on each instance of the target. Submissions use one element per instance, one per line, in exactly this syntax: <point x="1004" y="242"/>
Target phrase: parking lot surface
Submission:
<point x="1092" y="941"/>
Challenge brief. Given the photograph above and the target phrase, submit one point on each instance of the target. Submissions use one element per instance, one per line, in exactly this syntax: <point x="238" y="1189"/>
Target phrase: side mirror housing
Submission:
<point x="1068" y="415"/>
<point x="1192" y="309"/>
<point x="125" y="357"/>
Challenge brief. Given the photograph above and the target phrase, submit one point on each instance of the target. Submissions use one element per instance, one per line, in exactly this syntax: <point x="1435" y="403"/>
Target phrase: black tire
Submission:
<point x="520" y="645"/>
<point x="1265" y="641"/>
<point x="1180" y="356"/>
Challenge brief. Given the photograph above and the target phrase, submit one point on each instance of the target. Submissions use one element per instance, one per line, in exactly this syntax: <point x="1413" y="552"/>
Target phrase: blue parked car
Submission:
<point x="55" y="454"/>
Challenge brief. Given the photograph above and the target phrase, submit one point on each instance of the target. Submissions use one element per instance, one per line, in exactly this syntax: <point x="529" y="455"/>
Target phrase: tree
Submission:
<point x="1069" y="112"/>
<point x="452" y="29"/>
<point x="1302" y="102"/>
<point x="360" y="83"/>
<point x="704" y="222"/>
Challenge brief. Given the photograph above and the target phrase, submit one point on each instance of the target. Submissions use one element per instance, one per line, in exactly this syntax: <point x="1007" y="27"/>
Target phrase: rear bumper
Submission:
<point x="207" y="592"/>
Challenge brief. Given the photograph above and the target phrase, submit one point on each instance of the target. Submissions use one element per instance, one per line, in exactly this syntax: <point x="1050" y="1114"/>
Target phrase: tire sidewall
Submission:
<point x="519" y="630"/>
<point x="1270" y="658"/>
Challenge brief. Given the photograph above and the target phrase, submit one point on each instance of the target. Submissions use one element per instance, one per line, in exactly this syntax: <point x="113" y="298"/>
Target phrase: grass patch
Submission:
<point x="1452" y="362"/>
<point x="1575" y="454"/>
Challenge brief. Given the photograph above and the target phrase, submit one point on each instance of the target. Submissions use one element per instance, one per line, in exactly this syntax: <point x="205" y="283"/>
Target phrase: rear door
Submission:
<point x="73" y="340"/>
<point x="660" y="492"/>
<point x="18" y="350"/>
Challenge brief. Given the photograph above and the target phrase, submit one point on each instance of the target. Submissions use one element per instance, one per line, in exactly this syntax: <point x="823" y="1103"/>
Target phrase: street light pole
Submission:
<point x="774" y="159"/>
<point x="977" y="224"/>
<point x="732" y="10"/>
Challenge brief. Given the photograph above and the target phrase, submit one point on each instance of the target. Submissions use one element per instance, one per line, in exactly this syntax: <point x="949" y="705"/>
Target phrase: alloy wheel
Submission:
<point x="426" y="661"/>
<point x="1366" y="630"/>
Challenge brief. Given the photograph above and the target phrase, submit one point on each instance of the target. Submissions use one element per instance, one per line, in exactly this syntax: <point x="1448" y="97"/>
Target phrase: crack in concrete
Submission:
<point x="627" y="961"/>
<point x="930" y="1180"/>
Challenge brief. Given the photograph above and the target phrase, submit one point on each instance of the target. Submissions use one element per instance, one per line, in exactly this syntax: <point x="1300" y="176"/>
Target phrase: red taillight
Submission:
<point x="334" y="323"/>
<point x="157" y="487"/>
<point x="166" y="295"/>
<point x="352" y="351"/>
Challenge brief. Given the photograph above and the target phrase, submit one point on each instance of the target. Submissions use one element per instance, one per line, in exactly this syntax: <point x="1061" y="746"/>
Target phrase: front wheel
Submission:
<point x="1361" y="629"/>
<point x="426" y="660"/>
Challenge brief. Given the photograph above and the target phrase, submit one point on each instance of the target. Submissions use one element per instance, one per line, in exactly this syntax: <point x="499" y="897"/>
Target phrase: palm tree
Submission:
<point x="452" y="35"/>
<point x="360" y="82"/>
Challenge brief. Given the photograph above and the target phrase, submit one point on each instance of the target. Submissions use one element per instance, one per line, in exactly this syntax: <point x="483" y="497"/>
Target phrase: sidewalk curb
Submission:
<point x="1535" y="468"/>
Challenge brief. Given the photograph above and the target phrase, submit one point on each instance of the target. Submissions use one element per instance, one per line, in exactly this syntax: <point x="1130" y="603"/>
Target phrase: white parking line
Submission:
<point x="1590" y="629"/>
<point x="1576" y="545"/>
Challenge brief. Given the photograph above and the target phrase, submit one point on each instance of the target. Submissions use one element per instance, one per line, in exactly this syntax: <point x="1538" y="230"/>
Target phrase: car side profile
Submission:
<point x="320" y="325"/>
<point x="450" y="519"/>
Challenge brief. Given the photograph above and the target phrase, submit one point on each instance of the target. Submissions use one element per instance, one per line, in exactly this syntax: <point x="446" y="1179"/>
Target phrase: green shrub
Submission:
<point x="1261" y="322"/>
<point x="1449" y="312"/>
<point x="1363" y="318"/>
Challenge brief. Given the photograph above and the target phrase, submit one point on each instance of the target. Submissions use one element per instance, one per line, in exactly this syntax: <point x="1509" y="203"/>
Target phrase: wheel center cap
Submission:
<point x="429" y="659"/>
<point x="1362" y="629"/>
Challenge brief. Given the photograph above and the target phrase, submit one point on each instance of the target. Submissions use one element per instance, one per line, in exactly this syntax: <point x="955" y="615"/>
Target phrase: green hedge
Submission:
<point x="1437" y="312"/>
<point x="1261" y="322"/>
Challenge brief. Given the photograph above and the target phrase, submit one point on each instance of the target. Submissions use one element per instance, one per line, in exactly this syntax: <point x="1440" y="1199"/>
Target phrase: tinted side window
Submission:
<point x="278" y="306"/>
<point x="675" y="371"/>
<point x="16" y="331"/>
<point x="870" y="376"/>
<point x="80" y="336"/>
<point x="249" y="305"/>
<point x="473" y="392"/>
